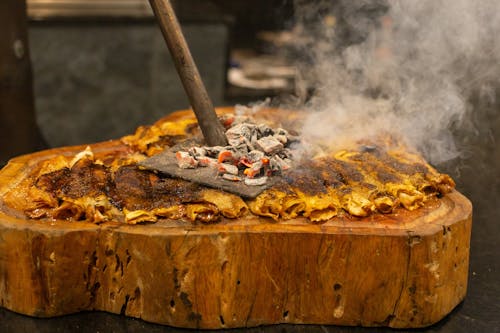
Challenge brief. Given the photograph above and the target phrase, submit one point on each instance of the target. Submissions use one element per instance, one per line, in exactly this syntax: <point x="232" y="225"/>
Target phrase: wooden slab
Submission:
<point x="398" y="270"/>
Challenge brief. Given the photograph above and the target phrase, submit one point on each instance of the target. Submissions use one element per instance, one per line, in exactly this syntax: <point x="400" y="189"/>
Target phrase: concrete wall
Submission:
<point x="97" y="81"/>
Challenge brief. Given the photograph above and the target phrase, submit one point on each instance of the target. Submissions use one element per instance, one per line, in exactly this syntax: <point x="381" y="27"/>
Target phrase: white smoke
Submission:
<point x="407" y="67"/>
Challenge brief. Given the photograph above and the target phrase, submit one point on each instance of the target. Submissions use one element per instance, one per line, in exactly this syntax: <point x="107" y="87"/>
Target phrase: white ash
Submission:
<point x="269" y="145"/>
<point x="254" y="152"/>
<point x="205" y="162"/>
<point x="255" y="155"/>
<point x="197" y="152"/>
<point x="228" y="168"/>
<point x="186" y="160"/>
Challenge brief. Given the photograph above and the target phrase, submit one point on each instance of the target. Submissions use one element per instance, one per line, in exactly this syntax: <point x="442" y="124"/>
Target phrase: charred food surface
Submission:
<point x="370" y="178"/>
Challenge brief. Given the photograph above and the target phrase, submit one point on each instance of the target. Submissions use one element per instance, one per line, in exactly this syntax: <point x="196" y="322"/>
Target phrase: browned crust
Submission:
<point x="403" y="269"/>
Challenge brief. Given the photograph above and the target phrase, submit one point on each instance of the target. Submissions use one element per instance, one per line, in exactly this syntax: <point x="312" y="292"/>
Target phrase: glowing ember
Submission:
<point x="255" y="151"/>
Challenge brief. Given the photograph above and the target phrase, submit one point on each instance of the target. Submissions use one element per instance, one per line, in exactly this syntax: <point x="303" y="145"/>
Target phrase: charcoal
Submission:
<point x="274" y="165"/>
<point x="197" y="152"/>
<point x="254" y="138"/>
<point x="236" y="141"/>
<point x="185" y="160"/>
<point x="254" y="170"/>
<point x="281" y="138"/>
<point x="232" y="120"/>
<point x="264" y="130"/>
<point x="249" y="144"/>
<point x="240" y="150"/>
<point x="207" y="162"/>
<point x="213" y="151"/>
<point x="269" y="145"/>
<point x="238" y="131"/>
<point x="228" y="168"/>
<point x="279" y="164"/>
<point x="285" y="153"/>
<point x="281" y="131"/>
<point x="226" y="155"/>
<point x="255" y="155"/>
<point x="258" y="151"/>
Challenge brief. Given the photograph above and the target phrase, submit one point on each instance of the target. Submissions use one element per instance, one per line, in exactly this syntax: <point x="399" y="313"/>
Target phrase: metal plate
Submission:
<point x="166" y="163"/>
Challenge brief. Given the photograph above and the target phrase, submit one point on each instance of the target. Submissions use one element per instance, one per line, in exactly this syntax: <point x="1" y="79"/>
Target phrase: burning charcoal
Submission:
<point x="232" y="120"/>
<point x="282" y="135"/>
<point x="232" y="178"/>
<point x="269" y="145"/>
<point x="185" y="160"/>
<point x="225" y="156"/>
<point x="281" y="138"/>
<point x="274" y="165"/>
<point x="255" y="151"/>
<point x="279" y="164"/>
<point x="255" y="181"/>
<point x="255" y="155"/>
<point x="237" y="134"/>
<point x="213" y="151"/>
<point x="197" y="152"/>
<point x="254" y="170"/>
<point x="228" y="168"/>
<point x="227" y="120"/>
<point x="235" y="155"/>
<point x="254" y="138"/>
<point x="250" y="145"/>
<point x="207" y="162"/>
<point x="265" y="130"/>
<point x="236" y="141"/>
<point x="244" y="161"/>
<point x="239" y="150"/>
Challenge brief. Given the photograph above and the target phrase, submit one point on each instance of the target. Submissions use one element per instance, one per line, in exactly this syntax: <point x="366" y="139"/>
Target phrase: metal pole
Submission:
<point x="210" y="125"/>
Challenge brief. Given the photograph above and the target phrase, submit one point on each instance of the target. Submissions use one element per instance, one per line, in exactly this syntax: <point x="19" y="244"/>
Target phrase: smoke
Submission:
<point x="406" y="67"/>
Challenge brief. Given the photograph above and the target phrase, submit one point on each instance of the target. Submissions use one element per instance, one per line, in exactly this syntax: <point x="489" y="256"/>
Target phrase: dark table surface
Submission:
<point x="477" y="173"/>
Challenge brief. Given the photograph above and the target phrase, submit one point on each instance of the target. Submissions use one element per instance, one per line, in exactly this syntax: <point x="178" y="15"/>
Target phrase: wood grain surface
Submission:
<point x="405" y="269"/>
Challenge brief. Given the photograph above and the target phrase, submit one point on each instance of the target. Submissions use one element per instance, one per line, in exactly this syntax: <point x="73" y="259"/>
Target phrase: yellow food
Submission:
<point x="374" y="178"/>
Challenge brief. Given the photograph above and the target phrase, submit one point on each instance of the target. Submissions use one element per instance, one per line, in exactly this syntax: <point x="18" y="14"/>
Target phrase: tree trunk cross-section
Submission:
<point x="237" y="273"/>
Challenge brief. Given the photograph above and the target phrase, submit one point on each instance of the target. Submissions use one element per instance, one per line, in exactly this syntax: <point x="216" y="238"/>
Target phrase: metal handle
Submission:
<point x="186" y="68"/>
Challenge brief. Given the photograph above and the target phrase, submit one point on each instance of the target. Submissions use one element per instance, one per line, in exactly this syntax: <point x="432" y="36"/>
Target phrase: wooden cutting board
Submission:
<point x="406" y="269"/>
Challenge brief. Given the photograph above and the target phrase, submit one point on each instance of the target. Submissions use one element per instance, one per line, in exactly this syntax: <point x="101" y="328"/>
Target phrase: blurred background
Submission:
<point x="101" y="68"/>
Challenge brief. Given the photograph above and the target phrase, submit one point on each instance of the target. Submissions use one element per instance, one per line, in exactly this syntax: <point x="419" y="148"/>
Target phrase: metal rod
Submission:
<point x="210" y="125"/>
